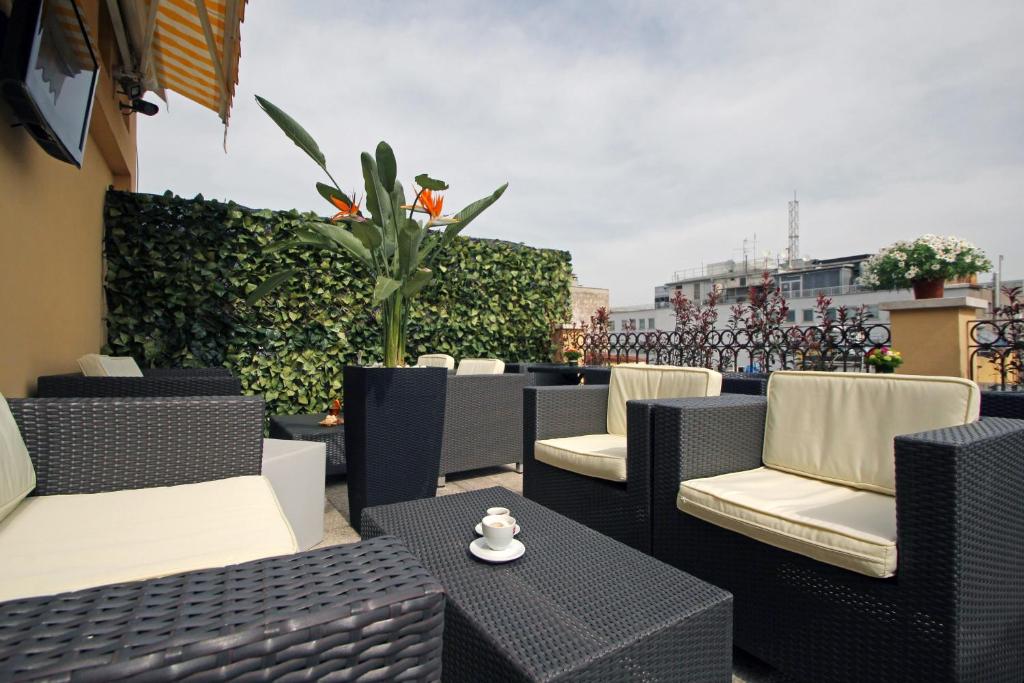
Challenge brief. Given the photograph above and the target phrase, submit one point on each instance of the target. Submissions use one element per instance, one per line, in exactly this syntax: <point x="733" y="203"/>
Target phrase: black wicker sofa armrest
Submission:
<point x="365" y="611"/>
<point x="186" y="372"/>
<point x="91" y="445"/>
<point x="705" y="437"/>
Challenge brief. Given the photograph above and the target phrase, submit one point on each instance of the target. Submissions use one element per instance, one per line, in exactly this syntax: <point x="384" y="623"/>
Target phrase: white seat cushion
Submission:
<point x="594" y="455"/>
<point x="436" y="360"/>
<point x="17" y="476"/>
<point x="296" y="471"/>
<point x="480" y="366"/>
<point x="636" y="382"/>
<point x="53" y="544"/>
<point x="840" y="427"/>
<point x="842" y="526"/>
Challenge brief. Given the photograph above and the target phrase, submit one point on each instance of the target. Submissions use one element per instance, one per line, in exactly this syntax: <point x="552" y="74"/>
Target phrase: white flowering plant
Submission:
<point x="929" y="257"/>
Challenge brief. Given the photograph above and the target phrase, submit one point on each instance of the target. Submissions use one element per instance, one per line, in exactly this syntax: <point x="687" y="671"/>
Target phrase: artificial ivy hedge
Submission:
<point x="178" y="271"/>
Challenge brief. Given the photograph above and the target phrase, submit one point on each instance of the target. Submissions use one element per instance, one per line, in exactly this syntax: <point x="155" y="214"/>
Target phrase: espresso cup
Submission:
<point x="498" y="531"/>
<point x="498" y="511"/>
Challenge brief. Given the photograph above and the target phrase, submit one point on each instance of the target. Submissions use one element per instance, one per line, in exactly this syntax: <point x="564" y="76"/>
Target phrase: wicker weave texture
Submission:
<point x="1003" y="404"/>
<point x="953" y="611"/>
<point x="361" y="612"/>
<point x="154" y="382"/>
<point x="483" y="421"/>
<point x="577" y="606"/>
<point x="91" y="445"/>
<point x="307" y="428"/>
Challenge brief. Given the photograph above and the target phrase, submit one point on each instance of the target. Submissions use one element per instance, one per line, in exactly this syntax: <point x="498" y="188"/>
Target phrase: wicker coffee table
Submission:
<point x="576" y="606"/>
<point x="307" y="428"/>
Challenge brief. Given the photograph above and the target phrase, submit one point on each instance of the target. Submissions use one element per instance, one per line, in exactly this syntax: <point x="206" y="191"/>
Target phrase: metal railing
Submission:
<point x="815" y="347"/>
<point x="1001" y="344"/>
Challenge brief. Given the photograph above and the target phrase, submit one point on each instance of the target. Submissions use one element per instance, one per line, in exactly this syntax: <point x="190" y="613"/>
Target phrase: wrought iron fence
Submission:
<point x="1001" y="343"/>
<point x="814" y="347"/>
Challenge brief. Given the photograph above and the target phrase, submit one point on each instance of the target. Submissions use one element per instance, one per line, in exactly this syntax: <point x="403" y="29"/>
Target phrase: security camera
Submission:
<point x="140" y="106"/>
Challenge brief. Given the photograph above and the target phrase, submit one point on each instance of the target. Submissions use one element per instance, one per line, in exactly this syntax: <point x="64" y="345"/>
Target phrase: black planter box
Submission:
<point x="394" y="424"/>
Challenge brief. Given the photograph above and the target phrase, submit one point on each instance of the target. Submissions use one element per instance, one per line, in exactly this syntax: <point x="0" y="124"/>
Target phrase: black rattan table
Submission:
<point x="307" y="428"/>
<point x="577" y="606"/>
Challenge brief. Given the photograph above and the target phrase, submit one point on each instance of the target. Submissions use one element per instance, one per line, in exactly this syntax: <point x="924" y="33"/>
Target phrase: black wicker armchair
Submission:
<point x="1003" y="403"/>
<point x="363" y="611"/>
<point x="954" y="610"/>
<point x="483" y="421"/>
<point x="619" y="509"/>
<point x="154" y="382"/>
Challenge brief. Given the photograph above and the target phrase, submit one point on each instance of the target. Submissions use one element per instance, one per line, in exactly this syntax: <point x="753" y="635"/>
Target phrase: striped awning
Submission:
<point x="189" y="46"/>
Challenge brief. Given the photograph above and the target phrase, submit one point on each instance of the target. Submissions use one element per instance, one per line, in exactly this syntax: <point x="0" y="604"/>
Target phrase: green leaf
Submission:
<point x="368" y="233"/>
<point x="326" y="191"/>
<point x="416" y="282"/>
<point x="466" y="215"/>
<point x="294" y="131"/>
<point x="408" y="245"/>
<point x="387" y="167"/>
<point x="426" y="182"/>
<point x="344" y="239"/>
<point x="384" y="288"/>
<point x="376" y="198"/>
<point x="272" y="282"/>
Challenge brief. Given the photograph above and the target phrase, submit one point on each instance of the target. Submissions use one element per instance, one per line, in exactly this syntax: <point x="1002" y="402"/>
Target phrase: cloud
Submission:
<point x="644" y="137"/>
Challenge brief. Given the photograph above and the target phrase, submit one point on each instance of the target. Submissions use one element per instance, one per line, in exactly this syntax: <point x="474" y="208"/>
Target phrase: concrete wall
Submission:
<point x="585" y="302"/>
<point x="51" y="233"/>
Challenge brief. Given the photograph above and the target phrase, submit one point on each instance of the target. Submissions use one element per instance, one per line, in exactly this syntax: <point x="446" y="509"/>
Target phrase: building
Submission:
<point x="800" y="284"/>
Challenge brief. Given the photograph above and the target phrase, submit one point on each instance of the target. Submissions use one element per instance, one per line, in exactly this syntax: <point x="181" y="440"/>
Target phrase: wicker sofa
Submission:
<point x="345" y="612"/>
<point x="811" y="556"/>
<point x="586" y="449"/>
<point x="483" y="421"/>
<point x="154" y="382"/>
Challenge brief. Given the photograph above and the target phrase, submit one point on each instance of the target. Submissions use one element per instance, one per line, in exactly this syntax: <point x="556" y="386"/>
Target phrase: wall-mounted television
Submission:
<point x="48" y="74"/>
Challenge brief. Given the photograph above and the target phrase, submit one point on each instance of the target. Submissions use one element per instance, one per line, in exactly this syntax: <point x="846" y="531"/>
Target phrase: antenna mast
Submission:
<point x="793" y="252"/>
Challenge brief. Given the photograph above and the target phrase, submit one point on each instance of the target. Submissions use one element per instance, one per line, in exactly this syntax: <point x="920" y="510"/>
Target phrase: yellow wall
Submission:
<point x="933" y="341"/>
<point x="51" y="234"/>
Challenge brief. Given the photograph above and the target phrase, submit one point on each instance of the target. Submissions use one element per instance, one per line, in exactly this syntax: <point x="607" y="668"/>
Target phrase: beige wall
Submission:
<point x="51" y="235"/>
<point x="585" y="302"/>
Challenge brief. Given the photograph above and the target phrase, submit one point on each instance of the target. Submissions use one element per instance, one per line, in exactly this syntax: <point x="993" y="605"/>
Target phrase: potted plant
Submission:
<point x="394" y="416"/>
<point x="884" y="359"/>
<point x="923" y="265"/>
<point x="572" y="356"/>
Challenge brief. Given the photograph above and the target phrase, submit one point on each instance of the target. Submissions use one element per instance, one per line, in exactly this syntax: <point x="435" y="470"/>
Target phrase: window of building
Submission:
<point x="808" y="315"/>
<point x="643" y="324"/>
<point x="650" y="323"/>
<point x="790" y="316"/>
<point x="831" y="313"/>
<point x="611" y="325"/>
<point x="872" y="311"/>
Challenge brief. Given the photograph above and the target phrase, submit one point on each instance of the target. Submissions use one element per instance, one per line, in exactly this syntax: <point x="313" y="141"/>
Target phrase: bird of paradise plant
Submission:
<point x="398" y="250"/>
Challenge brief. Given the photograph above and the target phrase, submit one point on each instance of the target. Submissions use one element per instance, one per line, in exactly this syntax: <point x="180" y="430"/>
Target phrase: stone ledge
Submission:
<point x="945" y="302"/>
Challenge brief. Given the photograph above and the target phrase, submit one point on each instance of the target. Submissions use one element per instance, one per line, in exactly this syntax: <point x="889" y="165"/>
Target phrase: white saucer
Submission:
<point x="479" y="529"/>
<point x="480" y="549"/>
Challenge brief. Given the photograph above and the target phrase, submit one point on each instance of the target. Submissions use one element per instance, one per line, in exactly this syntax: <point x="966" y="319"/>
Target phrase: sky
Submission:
<point x="643" y="137"/>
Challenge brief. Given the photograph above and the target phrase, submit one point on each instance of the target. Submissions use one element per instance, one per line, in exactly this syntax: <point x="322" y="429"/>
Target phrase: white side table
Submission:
<point x="296" y="471"/>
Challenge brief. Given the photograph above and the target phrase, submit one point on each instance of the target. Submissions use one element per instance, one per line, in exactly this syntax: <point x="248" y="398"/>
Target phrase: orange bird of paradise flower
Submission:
<point x="346" y="210"/>
<point x="431" y="203"/>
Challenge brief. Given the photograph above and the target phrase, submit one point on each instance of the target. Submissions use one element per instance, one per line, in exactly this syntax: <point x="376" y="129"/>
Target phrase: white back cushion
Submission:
<point x="635" y="382"/>
<point x="120" y="366"/>
<point x="91" y="366"/>
<point x="480" y="366"/>
<point x="436" y="360"/>
<point x="840" y="426"/>
<point x="17" y="476"/>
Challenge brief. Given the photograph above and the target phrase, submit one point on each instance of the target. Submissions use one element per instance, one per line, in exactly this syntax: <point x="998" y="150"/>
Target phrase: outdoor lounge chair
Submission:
<point x="483" y="422"/>
<point x="154" y="382"/>
<point x="150" y="548"/>
<point x="583" y="458"/>
<point x="436" y="360"/>
<point x="791" y="503"/>
<point x="480" y="366"/>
